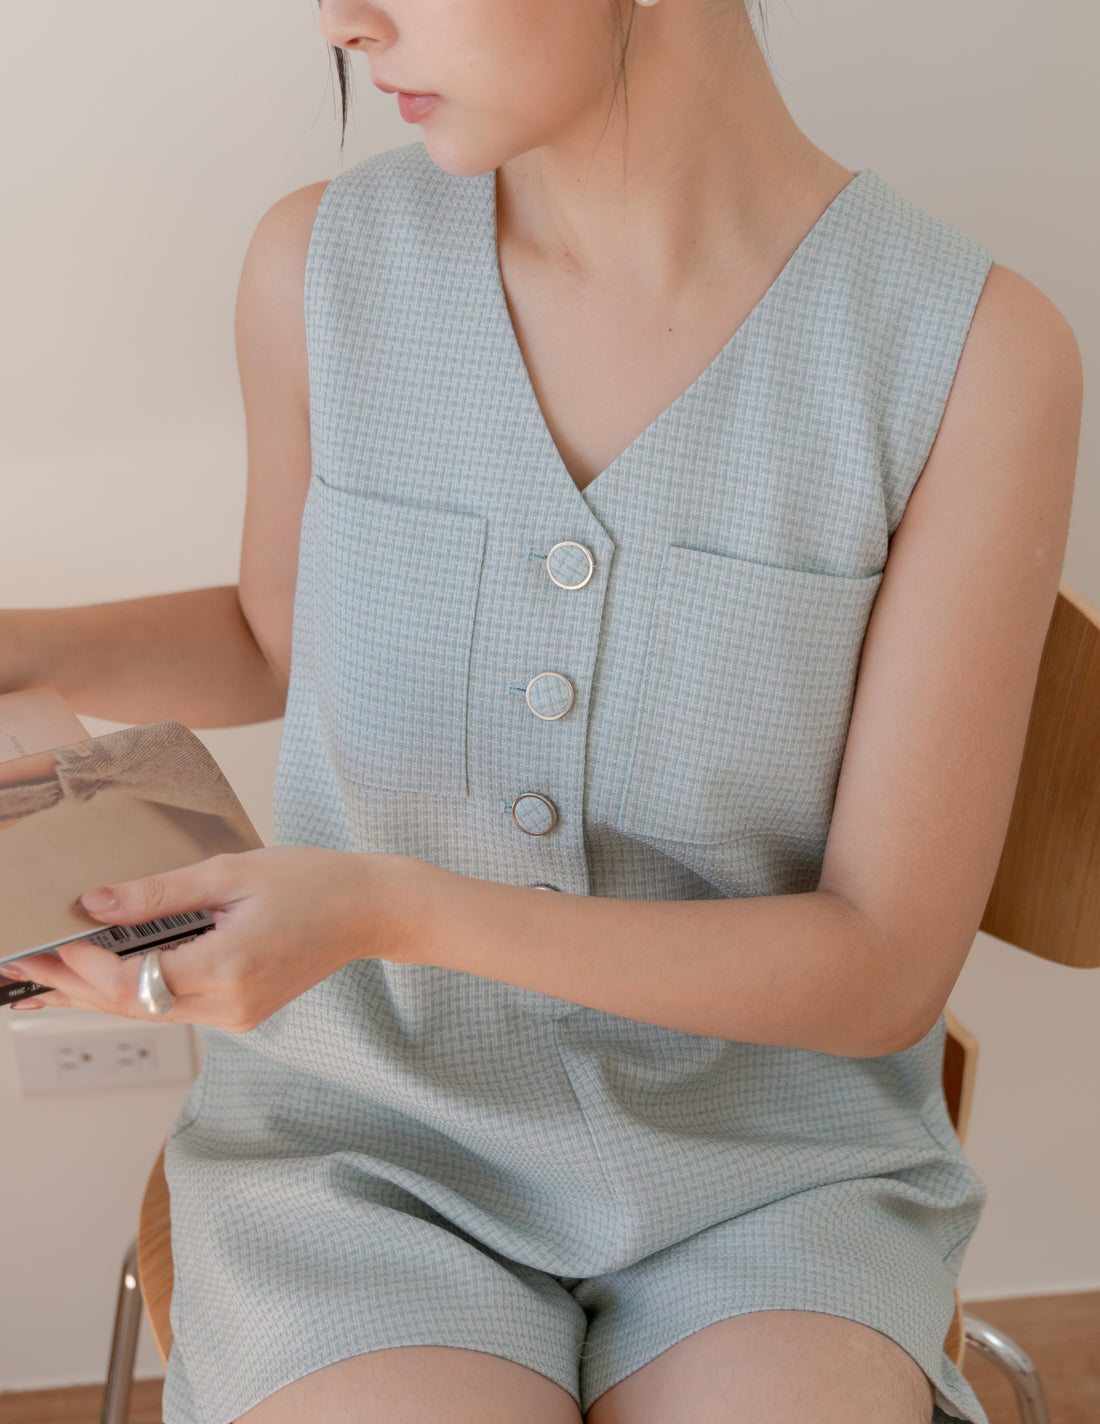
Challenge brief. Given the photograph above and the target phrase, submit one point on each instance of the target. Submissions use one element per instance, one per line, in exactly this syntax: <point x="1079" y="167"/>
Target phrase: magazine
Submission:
<point x="78" y="811"/>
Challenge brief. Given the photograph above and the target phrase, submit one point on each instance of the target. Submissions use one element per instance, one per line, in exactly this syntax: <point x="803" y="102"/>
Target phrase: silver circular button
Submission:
<point x="550" y="695"/>
<point x="570" y="565"/>
<point x="535" y="815"/>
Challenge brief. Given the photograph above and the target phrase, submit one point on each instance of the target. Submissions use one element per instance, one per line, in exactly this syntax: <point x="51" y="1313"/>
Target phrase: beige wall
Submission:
<point x="148" y="141"/>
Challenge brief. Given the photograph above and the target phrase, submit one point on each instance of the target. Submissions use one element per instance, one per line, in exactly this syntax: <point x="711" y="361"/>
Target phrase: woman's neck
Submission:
<point x="708" y="169"/>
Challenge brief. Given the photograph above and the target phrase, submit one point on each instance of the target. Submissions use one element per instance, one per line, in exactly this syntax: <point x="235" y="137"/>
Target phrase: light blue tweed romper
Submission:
<point x="413" y="1155"/>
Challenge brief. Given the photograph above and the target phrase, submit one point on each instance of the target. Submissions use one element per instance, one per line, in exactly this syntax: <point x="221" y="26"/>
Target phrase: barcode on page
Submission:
<point x="117" y="936"/>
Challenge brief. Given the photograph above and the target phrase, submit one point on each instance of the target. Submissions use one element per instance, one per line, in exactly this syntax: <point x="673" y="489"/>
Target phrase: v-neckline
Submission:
<point x="523" y="376"/>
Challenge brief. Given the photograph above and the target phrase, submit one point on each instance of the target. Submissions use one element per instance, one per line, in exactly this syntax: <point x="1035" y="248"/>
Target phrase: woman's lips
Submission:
<point x="413" y="107"/>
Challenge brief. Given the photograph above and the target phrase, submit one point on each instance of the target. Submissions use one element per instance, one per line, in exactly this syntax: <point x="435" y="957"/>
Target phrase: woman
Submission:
<point x="600" y="421"/>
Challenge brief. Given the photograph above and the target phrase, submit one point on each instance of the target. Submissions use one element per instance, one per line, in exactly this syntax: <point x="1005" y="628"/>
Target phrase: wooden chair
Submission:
<point x="1045" y="900"/>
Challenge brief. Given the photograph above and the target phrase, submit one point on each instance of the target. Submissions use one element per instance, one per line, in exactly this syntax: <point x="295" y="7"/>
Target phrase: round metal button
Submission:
<point x="570" y="565"/>
<point x="534" y="814"/>
<point x="550" y="695"/>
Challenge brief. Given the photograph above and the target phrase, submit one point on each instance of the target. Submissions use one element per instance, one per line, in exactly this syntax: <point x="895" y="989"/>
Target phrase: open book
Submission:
<point x="79" y="811"/>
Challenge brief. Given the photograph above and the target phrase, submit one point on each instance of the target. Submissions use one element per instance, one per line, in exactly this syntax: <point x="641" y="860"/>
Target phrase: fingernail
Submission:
<point x="97" y="902"/>
<point x="12" y="971"/>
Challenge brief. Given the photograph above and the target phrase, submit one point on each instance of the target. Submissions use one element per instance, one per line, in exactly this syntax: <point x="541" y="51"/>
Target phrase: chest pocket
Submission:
<point x="746" y="700"/>
<point x="396" y="588"/>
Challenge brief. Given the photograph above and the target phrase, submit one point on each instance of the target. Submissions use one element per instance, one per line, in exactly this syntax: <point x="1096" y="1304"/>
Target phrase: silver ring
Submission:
<point x="153" y="994"/>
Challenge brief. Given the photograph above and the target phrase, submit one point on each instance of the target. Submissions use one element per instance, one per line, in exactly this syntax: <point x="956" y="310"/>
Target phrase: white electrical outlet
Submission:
<point x="56" y="1053"/>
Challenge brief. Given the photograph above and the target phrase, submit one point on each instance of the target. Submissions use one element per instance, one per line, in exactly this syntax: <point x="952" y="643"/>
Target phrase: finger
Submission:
<point x="33" y="967"/>
<point x="97" y="966"/>
<point x="15" y="973"/>
<point x="52" y="1000"/>
<point x="110" y="975"/>
<point x="52" y="971"/>
<point x="208" y="885"/>
<point x="104" y="971"/>
<point x="81" y="975"/>
<point x="84" y="976"/>
<point x="113" y="987"/>
<point x="37" y="965"/>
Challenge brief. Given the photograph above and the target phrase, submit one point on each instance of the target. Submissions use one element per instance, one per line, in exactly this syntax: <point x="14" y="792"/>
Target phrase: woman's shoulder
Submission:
<point x="1019" y="379"/>
<point x="1014" y="311"/>
<point x="375" y="182"/>
<point x="286" y="226"/>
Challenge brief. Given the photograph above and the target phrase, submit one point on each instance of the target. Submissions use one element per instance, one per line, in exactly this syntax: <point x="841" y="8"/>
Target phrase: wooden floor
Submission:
<point x="80" y="1406"/>
<point x="1061" y="1333"/>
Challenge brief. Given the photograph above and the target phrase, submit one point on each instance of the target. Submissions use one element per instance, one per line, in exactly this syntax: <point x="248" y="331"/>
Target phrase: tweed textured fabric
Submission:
<point x="407" y="1154"/>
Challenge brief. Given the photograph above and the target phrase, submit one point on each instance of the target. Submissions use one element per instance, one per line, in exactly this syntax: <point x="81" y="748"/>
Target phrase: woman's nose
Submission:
<point x="355" y="24"/>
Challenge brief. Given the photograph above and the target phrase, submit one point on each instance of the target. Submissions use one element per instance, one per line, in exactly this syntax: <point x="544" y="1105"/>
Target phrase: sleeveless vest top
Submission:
<point x="705" y="597"/>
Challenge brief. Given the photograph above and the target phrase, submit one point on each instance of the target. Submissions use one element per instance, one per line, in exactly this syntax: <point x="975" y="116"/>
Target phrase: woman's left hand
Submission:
<point x="285" y="918"/>
<point x="37" y="767"/>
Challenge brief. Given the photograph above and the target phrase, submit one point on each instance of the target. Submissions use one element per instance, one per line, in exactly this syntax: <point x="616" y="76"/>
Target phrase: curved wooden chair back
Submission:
<point x="1046" y="894"/>
<point x="960" y="1063"/>
<point x="155" y="1273"/>
<point x="1045" y="898"/>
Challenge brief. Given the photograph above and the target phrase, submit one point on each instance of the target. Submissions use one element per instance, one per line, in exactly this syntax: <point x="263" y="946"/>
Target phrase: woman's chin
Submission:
<point x="458" y="161"/>
<point x="466" y="155"/>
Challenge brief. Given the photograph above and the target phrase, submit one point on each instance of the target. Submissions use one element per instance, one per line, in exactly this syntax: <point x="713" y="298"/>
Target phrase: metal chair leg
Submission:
<point x="120" y="1371"/>
<point x="996" y="1346"/>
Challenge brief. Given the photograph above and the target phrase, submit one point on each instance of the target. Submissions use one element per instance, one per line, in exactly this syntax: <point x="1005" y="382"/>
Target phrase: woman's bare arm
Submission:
<point x="953" y="647"/>
<point x="271" y="358"/>
<point x="190" y="656"/>
<point x="207" y="657"/>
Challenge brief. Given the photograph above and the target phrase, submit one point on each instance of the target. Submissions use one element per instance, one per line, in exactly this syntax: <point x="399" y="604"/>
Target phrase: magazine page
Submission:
<point x="131" y="803"/>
